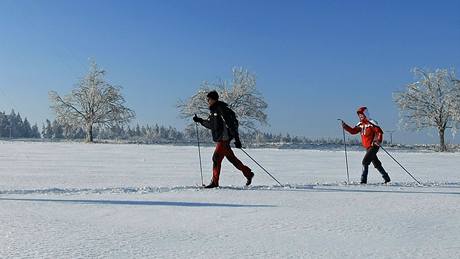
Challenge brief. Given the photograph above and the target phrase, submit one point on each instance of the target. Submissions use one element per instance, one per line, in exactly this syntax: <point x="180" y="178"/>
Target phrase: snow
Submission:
<point x="70" y="200"/>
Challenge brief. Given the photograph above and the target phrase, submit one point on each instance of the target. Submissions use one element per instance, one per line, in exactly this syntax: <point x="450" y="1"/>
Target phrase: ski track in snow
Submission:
<point x="425" y="187"/>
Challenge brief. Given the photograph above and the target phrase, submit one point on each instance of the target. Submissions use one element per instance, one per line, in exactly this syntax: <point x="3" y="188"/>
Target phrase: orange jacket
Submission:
<point x="370" y="132"/>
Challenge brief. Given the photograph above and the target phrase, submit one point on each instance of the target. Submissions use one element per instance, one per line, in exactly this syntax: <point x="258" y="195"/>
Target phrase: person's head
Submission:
<point x="212" y="98"/>
<point x="363" y="113"/>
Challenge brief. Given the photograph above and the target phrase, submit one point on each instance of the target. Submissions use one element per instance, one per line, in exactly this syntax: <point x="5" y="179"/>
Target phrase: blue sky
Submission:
<point x="315" y="61"/>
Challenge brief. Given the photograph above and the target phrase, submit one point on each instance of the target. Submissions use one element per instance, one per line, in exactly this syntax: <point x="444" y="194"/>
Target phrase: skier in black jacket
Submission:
<point x="224" y="127"/>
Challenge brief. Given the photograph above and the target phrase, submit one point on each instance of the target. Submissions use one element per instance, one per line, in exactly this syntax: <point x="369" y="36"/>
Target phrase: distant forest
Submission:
<point x="158" y="134"/>
<point x="12" y="126"/>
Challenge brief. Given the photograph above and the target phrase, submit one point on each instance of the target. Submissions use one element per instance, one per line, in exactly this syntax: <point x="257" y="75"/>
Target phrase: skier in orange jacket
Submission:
<point x="371" y="138"/>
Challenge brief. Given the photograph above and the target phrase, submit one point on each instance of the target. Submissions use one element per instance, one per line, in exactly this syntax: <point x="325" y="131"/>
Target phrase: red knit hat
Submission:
<point x="364" y="111"/>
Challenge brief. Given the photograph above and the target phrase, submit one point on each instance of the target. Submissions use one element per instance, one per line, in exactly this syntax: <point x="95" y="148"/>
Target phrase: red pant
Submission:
<point x="223" y="149"/>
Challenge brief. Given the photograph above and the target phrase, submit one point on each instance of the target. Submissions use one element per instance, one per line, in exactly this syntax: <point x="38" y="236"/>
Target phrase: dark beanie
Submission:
<point x="213" y="95"/>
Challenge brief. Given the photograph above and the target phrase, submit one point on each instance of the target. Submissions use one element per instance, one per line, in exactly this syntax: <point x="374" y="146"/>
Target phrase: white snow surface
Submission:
<point x="70" y="200"/>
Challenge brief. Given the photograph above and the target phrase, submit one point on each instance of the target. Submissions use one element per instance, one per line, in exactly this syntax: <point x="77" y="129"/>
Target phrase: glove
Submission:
<point x="197" y="119"/>
<point x="238" y="143"/>
<point x="376" y="143"/>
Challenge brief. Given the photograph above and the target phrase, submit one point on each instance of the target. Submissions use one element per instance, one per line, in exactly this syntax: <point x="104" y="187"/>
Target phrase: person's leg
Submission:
<point x="368" y="158"/>
<point x="217" y="157"/>
<point x="364" y="174"/>
<point x="378" y="165"/>
<point x="237" y="163"/>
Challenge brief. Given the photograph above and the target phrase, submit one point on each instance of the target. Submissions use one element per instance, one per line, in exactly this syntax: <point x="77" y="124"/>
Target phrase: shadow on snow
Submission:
<point x="141" y="203"/>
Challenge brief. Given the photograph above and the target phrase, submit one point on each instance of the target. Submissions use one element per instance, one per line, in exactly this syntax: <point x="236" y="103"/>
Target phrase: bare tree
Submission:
<point x="241" y="95"/>
<point x="456" y="101"/>
<point x="92" y="102"/>
<point x="431" y="101"/>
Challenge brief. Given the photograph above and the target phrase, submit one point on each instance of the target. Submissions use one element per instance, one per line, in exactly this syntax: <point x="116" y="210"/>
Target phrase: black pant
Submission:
<point x="371" y="157"/>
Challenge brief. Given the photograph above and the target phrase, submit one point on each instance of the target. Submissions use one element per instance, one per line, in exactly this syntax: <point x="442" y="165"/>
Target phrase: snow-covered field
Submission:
<point x="67" y="200"/>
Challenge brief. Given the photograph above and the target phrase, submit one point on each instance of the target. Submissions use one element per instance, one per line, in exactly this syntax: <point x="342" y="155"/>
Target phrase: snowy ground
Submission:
<point x="72" y="200"/>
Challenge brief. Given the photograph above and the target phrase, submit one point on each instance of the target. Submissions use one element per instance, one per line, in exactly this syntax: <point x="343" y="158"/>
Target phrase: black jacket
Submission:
<point x="221" y="122"/>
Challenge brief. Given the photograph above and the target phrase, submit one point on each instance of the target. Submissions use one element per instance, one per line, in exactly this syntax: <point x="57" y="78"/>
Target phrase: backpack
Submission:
<point x="231" y="121"/>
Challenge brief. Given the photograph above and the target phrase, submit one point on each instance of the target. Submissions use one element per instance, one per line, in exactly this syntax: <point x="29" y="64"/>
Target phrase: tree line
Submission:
<point x="13" y="126"/>
<point x="158" y="134"/>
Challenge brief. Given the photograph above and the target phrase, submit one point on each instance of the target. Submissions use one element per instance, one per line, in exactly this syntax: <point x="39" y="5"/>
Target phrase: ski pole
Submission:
<point x="199" y="151"/>
<point x="261" y="167"/>
<point x="400" y="164"/>
<point x="346" y="155"/>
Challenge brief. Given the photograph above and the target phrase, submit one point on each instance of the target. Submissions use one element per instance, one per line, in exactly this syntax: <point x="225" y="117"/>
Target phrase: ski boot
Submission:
<point x="385" y="176"/>
<point x="212" y="185"/>
<point x="386" y="179"/>
<point x="249" y="179"/>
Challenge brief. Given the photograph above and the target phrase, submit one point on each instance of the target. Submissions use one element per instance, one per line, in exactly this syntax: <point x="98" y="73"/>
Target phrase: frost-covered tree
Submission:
<point x="47" y="131"/>
<point x="94" y="102"/>
<point x="58" y="130"/>
<point x="432" y="101"/>
<point x="35" y="131"/>
<point x="26" y="129"/>
<point x="240" y="94"/>
<point x="456" y="100"/>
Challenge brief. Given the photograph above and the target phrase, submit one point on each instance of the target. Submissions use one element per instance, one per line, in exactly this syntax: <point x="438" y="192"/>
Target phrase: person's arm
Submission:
<point x="351" y="130"/>
<point x="206" y="123"/>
